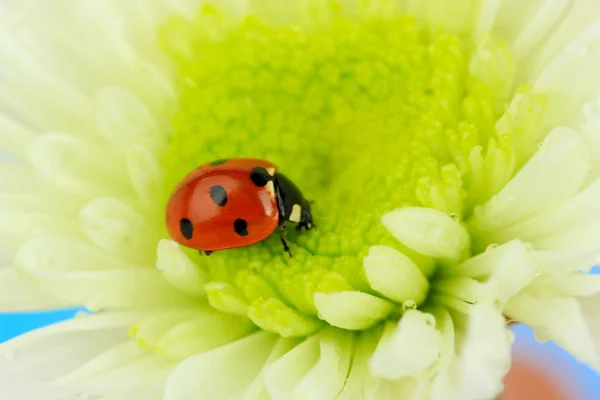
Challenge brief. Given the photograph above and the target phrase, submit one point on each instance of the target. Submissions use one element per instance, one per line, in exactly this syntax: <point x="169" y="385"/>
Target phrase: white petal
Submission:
<point x="315" y="369"/>
<point x="574" y="284"/>
<point x="556" y="318"/>
<point x="485" y="357"/>
<point x="394" y="275"/>
<point x="179" y="270"/>
<point x="54" y="351"/>
<point x="224" y="373"/>
<point x="568" y="75"/>
<point x="568" y="226"/>
<point x="125" y="366"/>
<point x="361" y="384"/>
<point x="506" y="269"/>
<point x="408" y="348"/>
<point x="124" y="119"/>
<point x="539" y="26"/>
<point x="14" y="136"/>
<point x="554" y="174"/>
<point x="590" y="127"/>
<point x="428" y="231"/>
<point x="258" y="389"/>
<point x="18" y="294"/>
<point x="119" y="229"/>
<point x="351" y="310"/>
<point x="445" y="385"/>
<point x="24" y="215"/>
<point x="192" y="337"/>
<point x="18" y="388"/>
<point x="84" y="275"/>
<point x="145" y="175"/>
<point x="77" y="165"/>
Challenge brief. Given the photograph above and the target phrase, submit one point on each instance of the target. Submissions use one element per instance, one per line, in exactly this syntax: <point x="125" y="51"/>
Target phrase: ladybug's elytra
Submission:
<point x="234" y="203"/>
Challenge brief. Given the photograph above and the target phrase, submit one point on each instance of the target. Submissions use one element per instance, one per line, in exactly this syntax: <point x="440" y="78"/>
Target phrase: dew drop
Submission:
<point x="455" y="216"/>
<point x="540" y="144"/>
<point x="492" y="246"/>
<point x="527" y="246"/>
<point x="409" y="305"/>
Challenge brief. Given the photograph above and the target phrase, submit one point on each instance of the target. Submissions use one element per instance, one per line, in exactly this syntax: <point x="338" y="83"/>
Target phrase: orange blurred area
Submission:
<point x="531" y="380"/>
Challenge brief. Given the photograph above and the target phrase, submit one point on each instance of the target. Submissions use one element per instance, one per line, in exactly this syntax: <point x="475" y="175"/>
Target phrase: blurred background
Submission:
<point x="541" y="371"/>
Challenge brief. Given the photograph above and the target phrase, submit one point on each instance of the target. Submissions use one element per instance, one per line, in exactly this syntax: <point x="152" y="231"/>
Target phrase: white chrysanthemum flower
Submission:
<point x="451" y="148"/>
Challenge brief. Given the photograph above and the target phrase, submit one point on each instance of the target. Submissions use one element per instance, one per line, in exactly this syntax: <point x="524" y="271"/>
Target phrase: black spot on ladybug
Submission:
<point x="260" y="177"/>
<point x="218" y="195"/>
<point x="218" y="162"/>
<point x="186" y="227"/>
<point x="241" y="227"/>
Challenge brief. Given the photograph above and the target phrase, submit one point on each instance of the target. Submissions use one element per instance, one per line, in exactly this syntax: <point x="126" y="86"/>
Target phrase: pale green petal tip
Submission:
<point x="429" y="231"/>
<point x="179" y="270"/>
<point x="407" y="348"/>
<point x="352" y="310"/>
<point x="394" y="275"/>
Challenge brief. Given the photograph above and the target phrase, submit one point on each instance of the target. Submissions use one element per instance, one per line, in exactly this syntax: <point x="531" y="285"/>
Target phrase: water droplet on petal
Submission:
<point x="455" y="216"/>
<point x="492" y="246"/>
<point x="527" y="246"/>
<point x="540" y="144"/>
<point x="409" y="305"/>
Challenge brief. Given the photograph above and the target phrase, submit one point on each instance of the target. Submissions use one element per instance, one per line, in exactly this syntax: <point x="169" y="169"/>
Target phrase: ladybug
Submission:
<point x="234" y="203"/>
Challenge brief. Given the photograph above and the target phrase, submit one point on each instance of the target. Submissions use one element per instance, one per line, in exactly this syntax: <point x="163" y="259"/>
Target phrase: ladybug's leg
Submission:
<point x="208" y="252"/>
<point x="282" y="217"/>
<point x="286" y="248"/>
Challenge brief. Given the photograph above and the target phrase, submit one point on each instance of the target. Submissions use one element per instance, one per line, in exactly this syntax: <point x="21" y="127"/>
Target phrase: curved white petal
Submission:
<point x="351" y="310"/>
<point x="558" y="318"/>
<point x="221" y="374"/>
<point x="485" y="358"/>
<point x="428" y="231"/>
<point x="505" y="270"/>
<point x="18" y="294"/>
<point x="52" y="352"/>
<point x="179" y="270"/>
<point x="554" y="174"/>
<point x="125" y="120"/>
<point x="145" y="175"/>
<point x="84" y="275"/>
<point x="315" y="369"/>
<point x="118" y="228"/>
<point x="394" y="275"/>
<point x="408" y="348"/>
<point x="18" y="388"/>
<point x="77" y="165"/>
<point x="258" y="389"/>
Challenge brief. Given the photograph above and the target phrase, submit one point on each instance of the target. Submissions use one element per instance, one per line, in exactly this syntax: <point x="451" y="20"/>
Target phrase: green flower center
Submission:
<point x="365" y="114"/>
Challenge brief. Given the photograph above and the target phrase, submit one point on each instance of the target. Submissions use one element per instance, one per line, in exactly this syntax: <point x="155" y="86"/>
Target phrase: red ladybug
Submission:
<point x="234" y="203"/>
